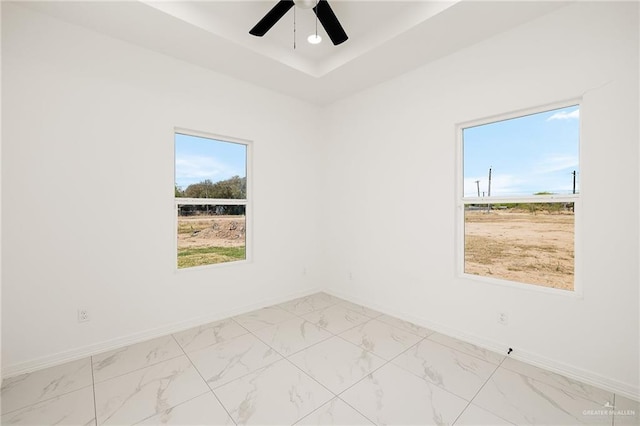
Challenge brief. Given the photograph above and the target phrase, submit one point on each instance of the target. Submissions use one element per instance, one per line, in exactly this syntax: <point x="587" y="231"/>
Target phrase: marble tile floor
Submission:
<point x="317" y="360"/>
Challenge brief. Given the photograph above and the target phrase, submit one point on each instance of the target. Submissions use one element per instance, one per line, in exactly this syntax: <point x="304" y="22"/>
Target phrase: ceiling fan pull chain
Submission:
<point x="324" y="15"/>
<point x="316" y="19"/>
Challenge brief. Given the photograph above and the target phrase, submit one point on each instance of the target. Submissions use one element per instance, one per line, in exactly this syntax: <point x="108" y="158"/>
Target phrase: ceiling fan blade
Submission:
<point x="330" y="22"/>
<point x="270" y="19"/>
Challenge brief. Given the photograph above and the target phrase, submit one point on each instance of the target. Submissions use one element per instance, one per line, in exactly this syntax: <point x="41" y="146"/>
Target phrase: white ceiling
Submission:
<point x="386" y="38"/>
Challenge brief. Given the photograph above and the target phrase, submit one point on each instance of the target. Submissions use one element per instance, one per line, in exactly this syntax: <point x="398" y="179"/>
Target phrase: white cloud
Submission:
<point x="525" y="184"/>
<point x="555" y="164"/>
<point x="501" y="185"/>
<point x="191" y="169"/>
<point x="563" y="115"/>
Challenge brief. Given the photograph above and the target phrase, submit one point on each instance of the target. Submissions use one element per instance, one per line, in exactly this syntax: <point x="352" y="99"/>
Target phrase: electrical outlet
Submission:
<point x="503" y="318"/>
<point x="350" y="276"/>
<point x="83" y="315"/>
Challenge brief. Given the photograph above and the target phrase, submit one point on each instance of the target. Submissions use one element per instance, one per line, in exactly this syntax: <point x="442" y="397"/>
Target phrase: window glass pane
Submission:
<point x="534" y="154"/>
<point x="209" y="168"/>
<point x="210" y="234"/>
<point x="531" y="243"/>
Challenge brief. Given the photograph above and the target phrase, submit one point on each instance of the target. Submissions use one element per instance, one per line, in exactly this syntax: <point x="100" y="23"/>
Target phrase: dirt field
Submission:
<point x="205" y="231"/>
<point x="205" y="240"/>
<point x="526" y="247"/>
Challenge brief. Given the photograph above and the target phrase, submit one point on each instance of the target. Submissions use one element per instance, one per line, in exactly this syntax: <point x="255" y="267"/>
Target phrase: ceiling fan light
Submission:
<point x="314" y="39"/>
<point x="305" y="4"/>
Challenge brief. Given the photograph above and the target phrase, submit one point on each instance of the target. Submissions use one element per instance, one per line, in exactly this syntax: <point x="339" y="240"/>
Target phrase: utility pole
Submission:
<point x="478" y="185"/>
<point x="489" y="191"/>
<point x="574" y="181"/>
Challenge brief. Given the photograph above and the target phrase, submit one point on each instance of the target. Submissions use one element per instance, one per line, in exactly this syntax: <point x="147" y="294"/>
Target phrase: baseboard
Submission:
<point x="619" y="388"/>
<point x="589" y="377"/>
<point x="97" y="348"/>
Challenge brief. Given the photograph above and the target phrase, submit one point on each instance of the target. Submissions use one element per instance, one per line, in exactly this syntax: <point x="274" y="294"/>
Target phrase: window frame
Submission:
<point x="461" y="201"/>
<point x="247" y="202"/>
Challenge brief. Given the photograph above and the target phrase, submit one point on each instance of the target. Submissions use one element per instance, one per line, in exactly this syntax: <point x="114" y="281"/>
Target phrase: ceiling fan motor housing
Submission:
<point x="305" y="4"/>
<point x="321" y="8"/>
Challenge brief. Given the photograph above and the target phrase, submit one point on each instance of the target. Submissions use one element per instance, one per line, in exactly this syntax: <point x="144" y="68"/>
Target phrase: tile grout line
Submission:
<point x="435" y="384"/>
<point x="358" y="381"/>
<point x="51" y="397"/>
<point x="440" y="387"/>
<point x="613" y="416"/>
<point x="152" y="365"/>
<point x="386" y="362"/>
<point x="219" y="342"/>
<point x="337" y="334"/>
<point x="536" y="380"/>
<point x="171" y="408"/>
<point x="466" y="353"/>
<point x="554" y="384"/>
<point x="307" y="347"/>
<point x="332" y="334"/>
<point x="249" y="332"/>
<point x="335" y="397"/>
<point x="449" y="348"/>
<point x="301" y="317"/>
<point x="309" y="312"/>
<point x="286" y="357"/>
<point x="333" y="394"/>
<point x="355" y="409"/>
<point x="397" y="328"/>
<point x="93" y="388"/>
<point x="335" y="303"/>
<point x="283" y="357"/>
<point x="390" y="361"/>
<point x="479" y="390"/>
<point x="405" y="329"/>
<point x="205" y="380"/>
<point x="137" y="369"/>
<point x="299" y="350"/>
<point x="498" y="367"/>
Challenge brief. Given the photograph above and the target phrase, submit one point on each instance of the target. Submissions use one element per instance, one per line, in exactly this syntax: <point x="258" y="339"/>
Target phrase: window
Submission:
<point x="211" y="199"/>
<point x="519" y="193"/>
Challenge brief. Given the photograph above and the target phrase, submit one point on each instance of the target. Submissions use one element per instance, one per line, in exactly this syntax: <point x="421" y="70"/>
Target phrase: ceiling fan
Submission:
<point x="322" y="10"/>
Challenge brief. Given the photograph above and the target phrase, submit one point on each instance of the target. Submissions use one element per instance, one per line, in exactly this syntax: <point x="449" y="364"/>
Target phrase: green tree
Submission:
<point x="232" y="188"/>
<point x="202" y="189"/>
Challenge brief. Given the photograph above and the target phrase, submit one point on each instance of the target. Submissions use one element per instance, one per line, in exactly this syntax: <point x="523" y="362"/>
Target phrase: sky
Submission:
<point x="199" y="158"/>
<point x="529" y="154"/>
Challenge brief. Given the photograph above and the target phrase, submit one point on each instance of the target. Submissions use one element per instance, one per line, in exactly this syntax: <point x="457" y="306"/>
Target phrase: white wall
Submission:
<point x="392" y="220"/>
<point x="87" y="175"/>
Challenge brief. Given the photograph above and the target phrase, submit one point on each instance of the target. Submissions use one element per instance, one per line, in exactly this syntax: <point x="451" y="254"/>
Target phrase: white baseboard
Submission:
<point x="589" y="377"/>
<point x="100" y="347"/>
